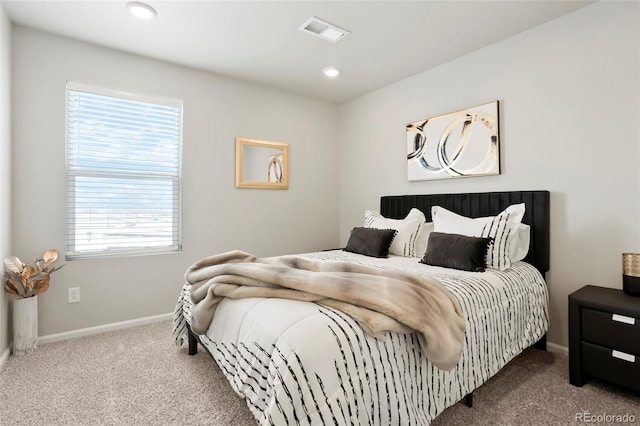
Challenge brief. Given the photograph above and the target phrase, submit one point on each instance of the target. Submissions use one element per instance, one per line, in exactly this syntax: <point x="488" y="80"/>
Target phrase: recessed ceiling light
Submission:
<point x="331" y="72"/>
<point x="323" y="29"/>
<point x="141" y="10"/>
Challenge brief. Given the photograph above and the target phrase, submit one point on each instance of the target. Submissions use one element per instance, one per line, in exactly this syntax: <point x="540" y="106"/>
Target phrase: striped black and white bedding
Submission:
<point x="303" y="363"/>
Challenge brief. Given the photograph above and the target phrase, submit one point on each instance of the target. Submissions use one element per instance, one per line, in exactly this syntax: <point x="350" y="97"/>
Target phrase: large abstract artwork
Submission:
<point x="458" y="144"/>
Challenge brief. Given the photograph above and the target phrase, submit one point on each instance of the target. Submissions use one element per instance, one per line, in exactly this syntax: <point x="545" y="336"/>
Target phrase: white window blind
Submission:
<point x="123" y="173"/>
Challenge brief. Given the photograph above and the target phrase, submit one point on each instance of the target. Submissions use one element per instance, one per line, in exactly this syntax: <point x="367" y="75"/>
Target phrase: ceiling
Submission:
<point x="260" y="42"/>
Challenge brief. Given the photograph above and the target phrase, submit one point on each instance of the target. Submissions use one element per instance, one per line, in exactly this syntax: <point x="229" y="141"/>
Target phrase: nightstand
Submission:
<point x="604" y="337"/>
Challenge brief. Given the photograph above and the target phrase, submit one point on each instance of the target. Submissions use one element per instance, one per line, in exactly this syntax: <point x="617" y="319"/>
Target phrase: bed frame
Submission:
<point x="473" y="205"/>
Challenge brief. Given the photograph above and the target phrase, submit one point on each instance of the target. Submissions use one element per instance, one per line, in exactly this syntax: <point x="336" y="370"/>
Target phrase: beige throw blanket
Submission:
<point x="381" y="300"/>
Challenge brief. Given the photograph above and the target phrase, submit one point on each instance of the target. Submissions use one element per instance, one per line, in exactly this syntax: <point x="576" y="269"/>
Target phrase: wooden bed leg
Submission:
<point x="468" y="400"/>
<point x="542" y="343"/>
<point x="193" y="343"/>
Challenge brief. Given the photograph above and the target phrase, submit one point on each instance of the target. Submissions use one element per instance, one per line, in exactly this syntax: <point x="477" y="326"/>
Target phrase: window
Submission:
<point x="123" y="173"/>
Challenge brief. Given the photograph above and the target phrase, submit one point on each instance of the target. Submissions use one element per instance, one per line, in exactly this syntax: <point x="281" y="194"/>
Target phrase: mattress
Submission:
<point x="304" y="363"/>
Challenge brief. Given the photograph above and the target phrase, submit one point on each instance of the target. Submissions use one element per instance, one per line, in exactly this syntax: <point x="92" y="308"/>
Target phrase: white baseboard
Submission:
<point x="551" y="347"/>
<point x="90" y="330"/>
<point x="5" y="355"/>
<point x="559" y="349"/>
<point x="102" y="328"/>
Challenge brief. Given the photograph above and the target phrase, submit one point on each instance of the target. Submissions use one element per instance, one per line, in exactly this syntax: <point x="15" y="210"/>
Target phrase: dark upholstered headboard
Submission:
<point x="484" y="204"/>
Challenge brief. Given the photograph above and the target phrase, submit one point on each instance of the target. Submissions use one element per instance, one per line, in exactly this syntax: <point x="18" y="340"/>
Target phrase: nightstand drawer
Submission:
<point x="606" y="364"/>
<point x="613" y="331"/>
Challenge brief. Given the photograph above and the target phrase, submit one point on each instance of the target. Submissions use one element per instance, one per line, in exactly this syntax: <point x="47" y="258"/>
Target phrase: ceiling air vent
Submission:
<point x="323" y="29"/>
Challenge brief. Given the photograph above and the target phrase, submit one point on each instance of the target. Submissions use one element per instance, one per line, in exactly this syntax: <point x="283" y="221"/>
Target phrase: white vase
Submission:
<point x="25" y="325"/>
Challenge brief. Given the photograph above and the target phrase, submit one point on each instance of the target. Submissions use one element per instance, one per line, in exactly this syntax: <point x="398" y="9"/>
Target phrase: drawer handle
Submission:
<point x="622" y="318"/>
<point x="624" y="356"/>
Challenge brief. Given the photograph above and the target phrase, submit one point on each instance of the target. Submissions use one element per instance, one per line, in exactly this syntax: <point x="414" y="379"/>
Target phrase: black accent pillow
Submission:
<point x="457" y="251"/>
<point x="370" y="241"/>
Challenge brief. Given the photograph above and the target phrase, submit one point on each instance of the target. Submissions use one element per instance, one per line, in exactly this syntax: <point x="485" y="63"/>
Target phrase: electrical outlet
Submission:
<point x="74" y="294"/>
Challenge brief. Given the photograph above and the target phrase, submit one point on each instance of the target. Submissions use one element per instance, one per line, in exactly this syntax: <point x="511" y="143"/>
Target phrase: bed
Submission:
<point x="302" y="362"/>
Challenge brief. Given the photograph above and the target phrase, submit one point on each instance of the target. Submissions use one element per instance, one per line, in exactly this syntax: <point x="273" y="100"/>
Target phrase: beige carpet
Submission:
<point x="138" y="377"/>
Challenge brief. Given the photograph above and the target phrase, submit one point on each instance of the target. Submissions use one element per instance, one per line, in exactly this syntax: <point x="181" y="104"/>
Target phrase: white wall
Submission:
<point x="216" y="216"/>
<point x="5" y="167"/>
<point x="569" y="93"/>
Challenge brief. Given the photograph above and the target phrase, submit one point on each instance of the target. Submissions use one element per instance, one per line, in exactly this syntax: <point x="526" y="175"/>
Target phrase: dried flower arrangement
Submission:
<point x="28" y="280"/>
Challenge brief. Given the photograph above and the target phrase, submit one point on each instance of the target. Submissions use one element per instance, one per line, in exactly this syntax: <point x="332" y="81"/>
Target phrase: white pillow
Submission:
<point x="408" y="228"/>
<point x="520" y="246"/>
<point x="423" y="239"/>
<point x="502" y="228"/>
